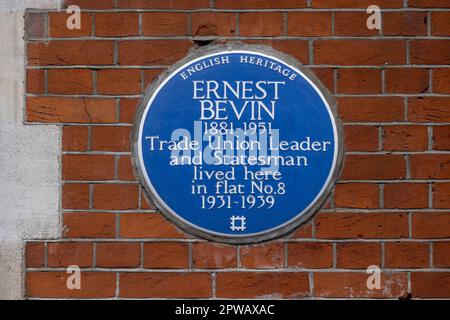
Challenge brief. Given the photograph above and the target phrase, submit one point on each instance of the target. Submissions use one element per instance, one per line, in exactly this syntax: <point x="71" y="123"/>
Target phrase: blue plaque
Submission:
<point x="238" y="144"/>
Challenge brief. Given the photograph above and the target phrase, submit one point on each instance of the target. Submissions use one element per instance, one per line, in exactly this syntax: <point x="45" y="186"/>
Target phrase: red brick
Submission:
<point x="35" y="25"/>
<point x="379" y="109"/>
<point x="431" y="225"/>
<point x="261" y="24"/>
<point x="163" y="4"/>
<point x="147" y="225"/>
<point x="106" y="138"/>
<point x="75" y="196"/>
<point x="309" y="24"/>
<point x="433" y="166"/>
<point x="164" y="24"/>
<point x="406" y="80"/>
<point x="89" y="4"/>
<point x="89" y="225"/>
<point x="67" y="53"/>
<point x="310" y="255"/>
<point x="152" y="52"/>
<point x="75" y="138"/>
<point x="54" y="285"/>
<point x="262" y="285"/>
<point x="304" y="232"/>
<point x="358" y="81"/>
<point x="87" y="167"/>
<point x="166" y="255"/>
<point x="165" y="285"/>
<point x="430" y="284"/>
<point x="260" y="4"/>
<point x="441" y="138"/>
<point x="34" y="254"/>
<point x="358" y="255"/>
<point x="355" y="3"/>
<point x="326" y="76"/>
<point x="361" y="225"/>
<point x="441" y="256"/>
<point x="354" y="285"/>
<point x="361" y="138"/>
<point x="213" y="256"/>
<point x="73" y="110"/>
<point x="353" y="24"/>
<point x="214" y="24"/>
<point x="118" y="255"/>
<point x="429" y="109"/>
<point x="116" y="24"/>
<point x="35" y="81"/>
<point x="70" y="81"/>
<point x="146" y="204"/>
<point x="150" y="75"/>
<point x="441" y="192"/>
<point x="405" y="23"/>
<point x="359" y="52"/>
<point x="374" y="167"/>
<point x="116" y="196"/>
<point x="440" y="23"/>
<point x="428" y="3"/>
<point x="125" y="169"/>
<point x="441" y="83"/>
<point x="64" y="254"/>
<point x="406" y="195"/>
<point x="58" y="25"/>
<point x="357" y="195"/>
<point x="119" y="81"/>
<point x="296" y="48"/>
<point x="406" y="255"/>
<point x="127" y="110"/>
<point x="405" y="138"/>
<point x="270" y="255"/>
<point x="430" y="51"/>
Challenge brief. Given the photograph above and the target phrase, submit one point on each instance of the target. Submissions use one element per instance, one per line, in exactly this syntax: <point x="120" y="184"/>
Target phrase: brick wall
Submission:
<point x="391" y="206"/>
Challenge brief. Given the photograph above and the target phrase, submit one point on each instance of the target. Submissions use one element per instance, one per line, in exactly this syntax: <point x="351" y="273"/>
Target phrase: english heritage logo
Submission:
<point x="238" y="144"/>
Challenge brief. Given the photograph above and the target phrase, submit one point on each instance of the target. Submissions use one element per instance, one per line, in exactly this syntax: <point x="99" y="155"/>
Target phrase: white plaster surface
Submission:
<point x="29" y="156"/>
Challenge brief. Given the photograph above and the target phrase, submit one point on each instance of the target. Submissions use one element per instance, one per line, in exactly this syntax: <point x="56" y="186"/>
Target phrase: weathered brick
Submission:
<point x="89" y="225"/>
<point x="357" y="195"/>
<point x="269" y="255"/>
<point x="34" y="254"/>
<point x="110" y="138"/>
<point x="431" y="225"/>
<point x="359" y="52"/>
<point x="406" y="255"/>
<point x="433" y="166"/>
<point x="374" y="167"/>
<point x="378" y="109"/>
<point x="441" y="84"/>
<point x="405" y="23"/>
<point x="119" y="81"/>
<point x="260" y="24"/>
<point x="64" y="254"/>
<point x="441" y="192"/>
<point x="117" y="24"/>
<point x="358" y="255"/>
<point x="309" y="24"/>
<point x="35" y="81"/>
<point x="69" y="53"/>
<point x="165" y="285"/>
<point x="53" y="285"/>
<point x="75" y="138"/>
<point x="429" y="109"/>
<point x="430" y="284"/>
<point x="214" y="24"/>
<point x="405" y="138"/>
<point x="441" y="138"/>
<point x="430" y="51"/>
<point x="406" y="80"/>
<point x="361" y="138"/>
<point x="214" y="256"/>
<point x="164" y="24"/>
<point x="354" y="285"/>
<point x="406" y="195"/>
<point x="71" y="110"/>
<point x="166" y="255"/>
<point x="310" y="255"/>
<point x="147" y="225"/>
<point x="87" y="167"/>
<point x="118" y="255"/>
<point x="441" y="256"/>
<point x="75" y="196"/>
<point x="361" y="225"/>
<point x="258" y="284"/>
<point x="116" y="196"/>
<point x="70" y="81"/>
